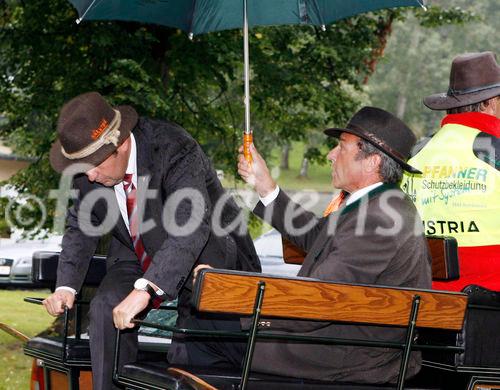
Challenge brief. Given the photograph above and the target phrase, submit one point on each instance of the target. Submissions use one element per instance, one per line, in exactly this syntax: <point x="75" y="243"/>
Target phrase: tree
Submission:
<point x="302" y="78"/>
<point x="285" y="154"/>
<point x="419" y="53"/>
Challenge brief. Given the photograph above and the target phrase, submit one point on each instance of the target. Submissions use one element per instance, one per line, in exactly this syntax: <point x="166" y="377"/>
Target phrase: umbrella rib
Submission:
<point x="423" y="4"/>
<point x="85" y="13"/>
<point x="319" y="15"/>
<point x="191" y="21"/>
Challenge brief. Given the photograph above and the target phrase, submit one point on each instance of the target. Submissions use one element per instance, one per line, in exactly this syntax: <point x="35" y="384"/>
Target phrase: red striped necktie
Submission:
<point x="133" y="221"/>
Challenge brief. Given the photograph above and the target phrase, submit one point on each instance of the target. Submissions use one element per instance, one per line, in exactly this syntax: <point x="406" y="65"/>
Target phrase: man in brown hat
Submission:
<point x="375" y="237"/>
<point x="458" y="193"/>
<point x="151" y="179"/>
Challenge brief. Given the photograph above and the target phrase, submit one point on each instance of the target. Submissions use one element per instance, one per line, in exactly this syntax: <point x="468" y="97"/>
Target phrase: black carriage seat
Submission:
<point x="149" y="375"/>
<point x="76" y="352"/>
<point x="66" y="351"/>
<point x="480" y="336"/>
<point x="44" y="270"/>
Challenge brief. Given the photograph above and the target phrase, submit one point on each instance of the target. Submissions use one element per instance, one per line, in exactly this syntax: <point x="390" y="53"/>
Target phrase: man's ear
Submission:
<point x="372" y="163"/>
<point x="489" y="106"/>
<point x="125" y="146"/>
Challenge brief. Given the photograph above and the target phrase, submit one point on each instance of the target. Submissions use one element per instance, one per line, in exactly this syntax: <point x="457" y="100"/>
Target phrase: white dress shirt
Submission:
<point x="121" y="197"/>
<point x="361" y="192"/>
<point x="269" y="198"/>
<point x="266" y="200"/>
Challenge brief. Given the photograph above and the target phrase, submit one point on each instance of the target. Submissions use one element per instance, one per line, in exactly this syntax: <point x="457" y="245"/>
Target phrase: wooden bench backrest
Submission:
<point x="443" y="250"/>
<point x="234" y="292"/>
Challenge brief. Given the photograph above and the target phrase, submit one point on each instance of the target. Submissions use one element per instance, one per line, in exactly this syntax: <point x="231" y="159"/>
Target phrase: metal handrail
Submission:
<point x="280" y="336"/>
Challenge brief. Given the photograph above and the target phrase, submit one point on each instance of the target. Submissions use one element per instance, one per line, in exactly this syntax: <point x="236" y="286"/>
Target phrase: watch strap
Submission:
<point x="151" y="291"/>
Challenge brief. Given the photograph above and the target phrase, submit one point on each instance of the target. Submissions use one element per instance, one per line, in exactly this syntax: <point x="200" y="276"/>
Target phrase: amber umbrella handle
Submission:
<point x="247" y="141"/>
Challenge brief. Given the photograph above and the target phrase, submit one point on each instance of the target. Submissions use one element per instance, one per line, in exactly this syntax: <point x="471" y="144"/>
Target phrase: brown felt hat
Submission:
<point x="384" y="131"/>
<point x="474" y="77"/>
<point x="89" y="130"/>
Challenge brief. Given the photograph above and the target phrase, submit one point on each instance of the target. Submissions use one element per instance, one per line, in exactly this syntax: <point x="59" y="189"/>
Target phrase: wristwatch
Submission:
<point x="144" y="285"/>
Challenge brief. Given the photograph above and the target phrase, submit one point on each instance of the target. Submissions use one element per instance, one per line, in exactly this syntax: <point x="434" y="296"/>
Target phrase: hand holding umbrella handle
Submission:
<point x="247" y="141"/>
<point x="256" y="174"/>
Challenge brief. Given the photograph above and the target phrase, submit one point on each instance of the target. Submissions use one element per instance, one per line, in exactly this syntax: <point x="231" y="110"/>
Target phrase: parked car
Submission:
<point x="16" y="259"/>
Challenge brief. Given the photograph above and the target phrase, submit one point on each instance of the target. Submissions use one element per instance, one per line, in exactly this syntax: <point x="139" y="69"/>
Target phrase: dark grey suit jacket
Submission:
<point x="353" y="245"/>
<point x="168" y="159"/>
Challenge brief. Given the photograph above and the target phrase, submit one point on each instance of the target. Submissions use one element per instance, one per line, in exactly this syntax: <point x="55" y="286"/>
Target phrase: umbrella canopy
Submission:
<point x="202" y="16"/>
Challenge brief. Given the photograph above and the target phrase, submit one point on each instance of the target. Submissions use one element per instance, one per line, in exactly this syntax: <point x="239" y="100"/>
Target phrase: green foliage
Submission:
<point x="302" y="79"/>
<point x="4" y="225"/>
<point x="436" y="16"/>
<point x="418" y="58"/>
<point x="256" y="226"/>
<point x="4" y="229"/>
<point x="316" y="155"/>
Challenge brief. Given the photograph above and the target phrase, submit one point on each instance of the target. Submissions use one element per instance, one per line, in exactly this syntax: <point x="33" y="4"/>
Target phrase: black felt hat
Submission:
<point x="384" y="131"/>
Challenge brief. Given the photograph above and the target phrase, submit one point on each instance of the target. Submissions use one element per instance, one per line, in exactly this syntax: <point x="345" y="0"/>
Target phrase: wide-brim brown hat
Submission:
<point x="384" y="131"/>
<point x="474" y="77"/>
<point x="89" y="130"/>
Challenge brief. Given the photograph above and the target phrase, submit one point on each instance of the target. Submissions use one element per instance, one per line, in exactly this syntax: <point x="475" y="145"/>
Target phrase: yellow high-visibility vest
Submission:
<point x="458" y="194"/>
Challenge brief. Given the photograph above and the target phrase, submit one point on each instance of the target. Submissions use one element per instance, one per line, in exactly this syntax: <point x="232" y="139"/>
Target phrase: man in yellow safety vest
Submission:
<point x="458" y="192"/>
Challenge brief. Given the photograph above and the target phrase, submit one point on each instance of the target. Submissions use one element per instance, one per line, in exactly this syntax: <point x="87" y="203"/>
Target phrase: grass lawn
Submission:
<point x="15" y="368"/>
<point x="319" y="176"/>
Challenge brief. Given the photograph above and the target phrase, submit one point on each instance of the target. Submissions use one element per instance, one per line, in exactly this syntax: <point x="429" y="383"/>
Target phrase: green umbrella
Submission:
<point x="202" y="16"/>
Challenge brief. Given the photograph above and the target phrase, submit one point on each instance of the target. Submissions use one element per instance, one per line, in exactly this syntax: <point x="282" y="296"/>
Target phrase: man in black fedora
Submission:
<point x="375" y="237"/>
<point x="149" y="182"/>
<point x="457" y="193"/>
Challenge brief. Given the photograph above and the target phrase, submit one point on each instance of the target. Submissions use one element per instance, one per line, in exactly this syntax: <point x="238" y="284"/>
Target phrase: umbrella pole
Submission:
<point x="85" y="13"/>
<point x="247" y="136"/>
